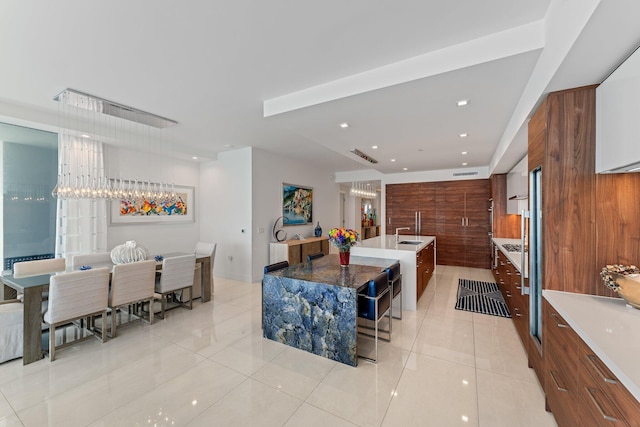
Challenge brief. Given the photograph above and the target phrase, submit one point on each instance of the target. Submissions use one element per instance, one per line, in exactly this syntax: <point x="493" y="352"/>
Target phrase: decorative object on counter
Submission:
<point x="625" y="280"/>
<point x="318" y="230"/>
<point x="297" y="204"/>
<point x="343" y="239"/>
<point x="129" y="252"/>
<point x="85" y="267"/>
<point x="279" y="234"/>
<point x="481" y="297"/>
<point x="158" y="258"/>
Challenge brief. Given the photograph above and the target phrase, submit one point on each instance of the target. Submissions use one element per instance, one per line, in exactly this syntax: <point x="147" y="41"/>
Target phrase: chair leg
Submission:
<point x="190" y="298"/>
<point x="52" y="342"/>
<point x="104" y="326"/>
<point x="114" y="311"/>
<point x="150" y="310"/>
<point x="162" y="304"/>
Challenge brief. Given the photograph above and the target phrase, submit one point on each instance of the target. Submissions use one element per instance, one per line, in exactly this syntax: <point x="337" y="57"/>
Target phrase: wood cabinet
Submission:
<point x="425" y="265"/>
<point x="296" y="251"/>
<point x="509" y="281"/>
<point x="457" y="212"/>
<point x="579" y="387"/>
<point x="504" y="225"/>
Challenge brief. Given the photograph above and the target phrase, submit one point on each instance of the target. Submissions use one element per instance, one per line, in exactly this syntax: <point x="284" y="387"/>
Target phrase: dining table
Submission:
<point x="34" y="286"/>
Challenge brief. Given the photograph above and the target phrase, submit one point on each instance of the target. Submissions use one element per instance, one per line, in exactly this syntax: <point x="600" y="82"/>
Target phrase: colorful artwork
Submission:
<point x="144" y="206"/>
<point x="148" y="210"/>
<point x="297" y="204"/>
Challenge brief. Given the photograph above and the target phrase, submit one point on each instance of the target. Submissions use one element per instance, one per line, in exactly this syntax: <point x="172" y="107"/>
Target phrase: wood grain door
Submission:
<point x="477" y="243"/>
<point x="451" y="220"/>
<point x="402" y="201"/>
<point x="427" y="208"/>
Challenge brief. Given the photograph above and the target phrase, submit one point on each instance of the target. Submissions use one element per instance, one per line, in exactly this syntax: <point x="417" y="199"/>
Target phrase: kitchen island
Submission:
<point x="386" y="247"/>
<point x="313" y="305"/>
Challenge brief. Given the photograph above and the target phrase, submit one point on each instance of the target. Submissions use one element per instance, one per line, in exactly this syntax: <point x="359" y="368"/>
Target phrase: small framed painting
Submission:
<point x="297" y="204"/>
<point x="148" y="210"/>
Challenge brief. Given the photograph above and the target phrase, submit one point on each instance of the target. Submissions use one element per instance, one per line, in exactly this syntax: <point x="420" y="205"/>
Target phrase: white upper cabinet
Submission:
<point x="618" y="119"/>
<point x="518" y="187"/>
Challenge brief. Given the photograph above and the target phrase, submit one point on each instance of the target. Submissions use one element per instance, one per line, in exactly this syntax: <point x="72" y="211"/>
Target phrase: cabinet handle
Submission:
<point x="518" y="287"/>
<point x="556" y="381"/>
<point x="591" y="358"/>
<point x="558" y="324"/>
<point x="467" y="221"/>
<point x="597" y="405"/>
<point x="462" y="223"/>
<point x="517" y="310"/>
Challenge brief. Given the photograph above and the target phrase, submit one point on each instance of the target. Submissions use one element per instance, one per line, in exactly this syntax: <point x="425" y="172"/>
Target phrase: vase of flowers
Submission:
<point x="625" y="280"/>
<point x="343" y="239"/>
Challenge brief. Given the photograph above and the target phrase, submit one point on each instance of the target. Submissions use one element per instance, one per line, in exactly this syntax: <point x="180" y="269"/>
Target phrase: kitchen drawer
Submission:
<point x="561" y="396"/>
<point x="560" y="344"/>
<point x="603" y="393"/>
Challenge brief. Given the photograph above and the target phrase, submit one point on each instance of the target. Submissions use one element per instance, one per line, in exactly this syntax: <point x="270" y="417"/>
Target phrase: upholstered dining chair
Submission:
<point x="311" y="257"/>
<point x="37" y="267"/>
<point x="74" y="296"/>
<point x="395" y="282"/>
<point x="91" y="259"/>
<point x="11" y="326"/>
<point x="373" y="303"/>
<point x="203" y="249"/>
<point x="177" y="275"/>
<point x="131" y="284"/>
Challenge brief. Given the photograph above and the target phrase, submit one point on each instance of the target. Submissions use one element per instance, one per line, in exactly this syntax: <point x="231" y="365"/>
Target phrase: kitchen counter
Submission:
<point x="609" y="327"/>
<point x="514" y="257"/>
<point x="386" y="247"/>
<point x="389" y="242"/>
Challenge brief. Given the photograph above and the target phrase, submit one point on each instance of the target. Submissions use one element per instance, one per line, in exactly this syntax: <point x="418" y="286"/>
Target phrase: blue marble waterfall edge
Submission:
<point x="315" y="317"/>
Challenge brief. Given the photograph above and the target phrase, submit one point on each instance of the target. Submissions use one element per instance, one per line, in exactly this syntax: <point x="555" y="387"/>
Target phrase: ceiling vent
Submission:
<point x="363" y="155"/>
<point x="465" y="173"/>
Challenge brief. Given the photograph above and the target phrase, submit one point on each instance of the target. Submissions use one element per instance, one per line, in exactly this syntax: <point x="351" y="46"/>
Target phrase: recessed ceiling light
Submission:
<point x="375" y="147"/>
<point x="84" y="135"/>
<point x="463" y="153"/>
<point x="463" y="102"/>
<point x="464" y="164"/>
<point x="393" y="160"/>
<point x="194" y="157"/>
<point x="228" y="145"/>
<point x="405" y="169"/>
<point x="344" y="125"/>
<point x="463" y="135"/>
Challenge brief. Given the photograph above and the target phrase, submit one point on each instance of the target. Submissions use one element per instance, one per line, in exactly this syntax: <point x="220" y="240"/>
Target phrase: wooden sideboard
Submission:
<point x="296" y="251"/>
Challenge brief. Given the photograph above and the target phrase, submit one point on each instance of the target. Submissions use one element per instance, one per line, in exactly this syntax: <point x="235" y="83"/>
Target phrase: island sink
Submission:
<point x="410" y="242"/>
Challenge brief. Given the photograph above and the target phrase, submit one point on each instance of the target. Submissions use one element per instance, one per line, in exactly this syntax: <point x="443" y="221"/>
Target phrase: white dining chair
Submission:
<point x="176" y="275"/>
<point x="203" y="249"/>
<point x="37" y="267"/>
<point x="11" y="329"/>
<point x="74" y="296"/>
<point x="131" y="284"/>
<point x="100" y="259"/>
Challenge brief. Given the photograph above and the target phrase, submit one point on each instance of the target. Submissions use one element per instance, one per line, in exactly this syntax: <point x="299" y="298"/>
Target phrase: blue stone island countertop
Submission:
<point x="313" y="305"/>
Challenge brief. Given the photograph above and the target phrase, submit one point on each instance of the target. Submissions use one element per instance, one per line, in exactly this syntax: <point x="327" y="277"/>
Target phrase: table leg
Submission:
<point x="32" y="338"/>
<point x="206" y="280"/>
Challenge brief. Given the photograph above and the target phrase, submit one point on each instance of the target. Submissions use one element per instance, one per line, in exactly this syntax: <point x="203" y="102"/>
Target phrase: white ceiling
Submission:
<point x="211" y="65"/>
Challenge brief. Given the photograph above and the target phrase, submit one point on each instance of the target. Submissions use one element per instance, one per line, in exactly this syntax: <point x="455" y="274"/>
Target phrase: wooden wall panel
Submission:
<point x="504" y="225"/>
<point x="402" y="203"/>
<point x="537" y="136"/>
<point x="568" y="201"/>
<point x="617" y="224"/>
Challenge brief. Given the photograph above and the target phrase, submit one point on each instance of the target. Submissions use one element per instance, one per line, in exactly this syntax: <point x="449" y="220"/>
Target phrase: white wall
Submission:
<point x="120" y="162"/>
<point x="269" y="172"/>
<point x="225" y="211"/>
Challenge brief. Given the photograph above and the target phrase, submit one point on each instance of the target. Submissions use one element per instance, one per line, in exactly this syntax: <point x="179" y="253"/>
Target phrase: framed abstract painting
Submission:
<point x="297" y="204"/>
<point x="148" y="210"/>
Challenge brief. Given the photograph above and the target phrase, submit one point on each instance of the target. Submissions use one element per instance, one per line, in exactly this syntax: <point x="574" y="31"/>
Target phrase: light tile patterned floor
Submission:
<point x="211" y="366"/>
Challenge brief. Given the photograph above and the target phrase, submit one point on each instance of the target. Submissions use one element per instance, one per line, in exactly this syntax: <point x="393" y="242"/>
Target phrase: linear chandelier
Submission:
<point x="363" y="190"/>
<point x="81" y="174"/>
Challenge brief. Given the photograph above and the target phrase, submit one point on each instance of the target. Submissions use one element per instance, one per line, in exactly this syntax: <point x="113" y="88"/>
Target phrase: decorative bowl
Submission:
<point x="625" y="280"/>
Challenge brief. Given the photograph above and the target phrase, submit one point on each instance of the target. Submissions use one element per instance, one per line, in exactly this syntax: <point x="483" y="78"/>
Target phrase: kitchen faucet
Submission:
<point x="401" y="228"/>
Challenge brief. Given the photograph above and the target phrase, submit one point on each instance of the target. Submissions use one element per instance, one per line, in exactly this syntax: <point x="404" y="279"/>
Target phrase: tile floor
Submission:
<point x="211" y="366"/>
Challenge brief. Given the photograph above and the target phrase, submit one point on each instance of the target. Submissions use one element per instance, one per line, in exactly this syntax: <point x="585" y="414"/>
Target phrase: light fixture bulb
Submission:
<point x="463" y="102"/>
<point x="344" y="125"/>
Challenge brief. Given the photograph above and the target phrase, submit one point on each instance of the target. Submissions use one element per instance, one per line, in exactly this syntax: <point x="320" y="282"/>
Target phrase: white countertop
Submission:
<point x="514" y="257"/>
<point x="389" y="242"/>
<point x="609" y="327"/>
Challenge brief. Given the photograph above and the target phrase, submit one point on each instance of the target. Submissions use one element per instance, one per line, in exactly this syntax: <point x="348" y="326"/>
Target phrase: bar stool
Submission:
<point x="373" y="303"/>
<point x="395" y="283"/>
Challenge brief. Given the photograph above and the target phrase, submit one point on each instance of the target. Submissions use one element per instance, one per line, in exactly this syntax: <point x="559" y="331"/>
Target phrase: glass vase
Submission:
<point x="344" y="258"/>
